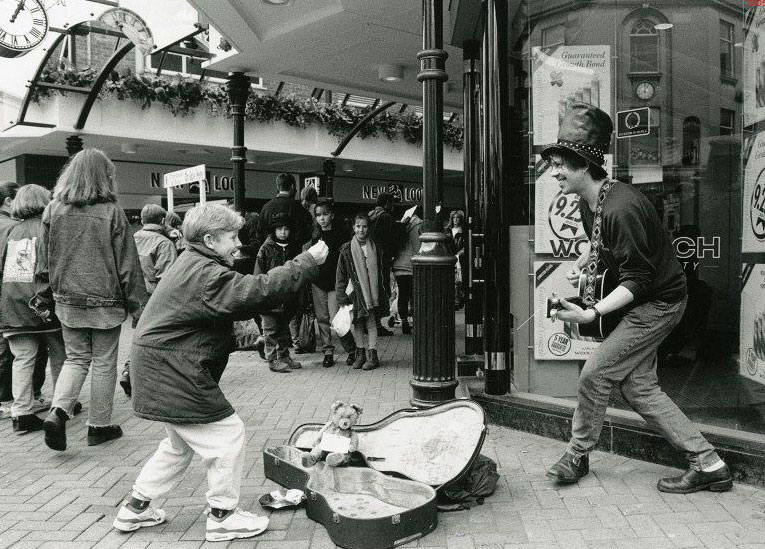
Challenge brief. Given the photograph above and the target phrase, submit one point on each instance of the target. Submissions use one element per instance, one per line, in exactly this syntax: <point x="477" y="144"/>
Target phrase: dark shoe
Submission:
<point x="406" y="328"/>
<point x="294" y="364"/>
<point x="279" y="366"/>
<point x="329" y="361"/>
<point x="125" y="383"/>
<point x="55" y="429"/>
<point x="361" y="358"/>
<point x="569" y="468"/>
<point x="27" y="424"/>
<point x="372" y="361"/>
<point x="383" y="331"/>
<point x="260" y="347"/>
<point x="351" y="358"/>
<point x="77" y="408"/>
<point x="99" y="435"/>
<point x="301" y="350"/>
<point x="693" y="481"/>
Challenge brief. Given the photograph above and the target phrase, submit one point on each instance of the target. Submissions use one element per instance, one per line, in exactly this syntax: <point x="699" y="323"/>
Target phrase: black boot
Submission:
<point x="694" y="481"/>
<point x="406" y="328"/>
<point x="569" y="468"/>
<point x="361" y="358"/>
<point x="351" y="358"/>
<point x="382" y="331"/>
<point x="125" y="382"/>
<point x="329" y="361"/>
<point x="27" y="423"/>
<point x="55" y="429"/>
<point x="99" y="435"/>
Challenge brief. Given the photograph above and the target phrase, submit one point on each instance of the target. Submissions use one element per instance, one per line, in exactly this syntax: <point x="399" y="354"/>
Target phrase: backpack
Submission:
<point x="471" y="488"/>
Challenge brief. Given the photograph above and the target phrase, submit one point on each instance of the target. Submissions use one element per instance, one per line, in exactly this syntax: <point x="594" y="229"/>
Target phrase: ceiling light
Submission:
<point x="250" y="155"/>
<point x="277" y="2"/>
<point x="348" y="168"/>
<point x="738" y="45"/>
<point x="129" y="148"/>
<point x="390" y="73"/>
<point x="663" y="26"/>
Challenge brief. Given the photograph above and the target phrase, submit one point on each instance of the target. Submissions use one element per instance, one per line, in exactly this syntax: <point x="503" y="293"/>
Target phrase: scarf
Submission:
<point x="366" y="271"/>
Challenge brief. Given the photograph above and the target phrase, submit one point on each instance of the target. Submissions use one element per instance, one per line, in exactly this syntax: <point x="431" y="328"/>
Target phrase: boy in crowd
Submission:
<point x="179" y="353"/>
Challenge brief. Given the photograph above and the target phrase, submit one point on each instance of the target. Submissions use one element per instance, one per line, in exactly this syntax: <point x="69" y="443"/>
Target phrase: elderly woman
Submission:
<point x="91" y="263"/>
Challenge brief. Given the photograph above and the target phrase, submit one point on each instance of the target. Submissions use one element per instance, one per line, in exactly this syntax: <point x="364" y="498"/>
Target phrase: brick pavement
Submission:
<point x="68" y="500"/>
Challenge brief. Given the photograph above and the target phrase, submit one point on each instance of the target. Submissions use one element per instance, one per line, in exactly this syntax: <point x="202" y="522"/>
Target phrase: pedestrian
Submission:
<point x="173" y="231"/>
<point x="402" y="267"/>
<point x="8" y="192"/>
<point x="323" y="289"/>
<point x="385" y="233"/>
<point x="180" y="351"/>
<point x="26" y="332"/>
<point x="359" y="282"/>
<point x="456" y="231"/>
<point x="245" y="264"/>
<point x="156" y="253"/>
<point x="275" y="252"/>
<point x="92" y="266"/>
<point x="626" y="235"/>
<point x="308" y="199"/>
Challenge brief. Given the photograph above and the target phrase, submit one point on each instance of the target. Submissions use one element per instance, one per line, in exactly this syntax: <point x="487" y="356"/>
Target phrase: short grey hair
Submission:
<point x="212" y="219"/>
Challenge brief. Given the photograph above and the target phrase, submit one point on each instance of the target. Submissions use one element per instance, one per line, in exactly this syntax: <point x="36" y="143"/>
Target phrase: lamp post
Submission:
<point x="238" y="87"/>
<point x="433" y="380"/>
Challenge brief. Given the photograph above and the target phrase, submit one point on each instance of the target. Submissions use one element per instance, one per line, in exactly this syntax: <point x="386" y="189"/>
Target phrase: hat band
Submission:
<point x="589" y="150"/>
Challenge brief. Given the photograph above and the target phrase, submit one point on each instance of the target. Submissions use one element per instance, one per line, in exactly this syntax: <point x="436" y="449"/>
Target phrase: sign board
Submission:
<point x="753" y="81"/>
<point x="753" y="218"/>
<point x="182" y="177"/>
<point x="752" y="365"/>
<point x="314" y="181"/>
<point x="633" y="122"/>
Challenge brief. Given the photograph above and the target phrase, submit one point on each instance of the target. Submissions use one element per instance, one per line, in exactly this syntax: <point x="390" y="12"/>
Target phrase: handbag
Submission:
<point x="307" y="333"/>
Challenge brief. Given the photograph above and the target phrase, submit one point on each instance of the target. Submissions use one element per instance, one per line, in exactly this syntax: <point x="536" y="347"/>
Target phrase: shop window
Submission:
<point x="644" y="47"/>
<point x="726" y="49"/>
<point x="645" y="150"/>
<point x="554" y="36"/>
<point x="727" y="122"/>
<point x="691" y="140"/>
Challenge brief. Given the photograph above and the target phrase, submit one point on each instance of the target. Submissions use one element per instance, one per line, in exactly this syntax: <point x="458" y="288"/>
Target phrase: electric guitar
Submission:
<point x="598" y="330"/>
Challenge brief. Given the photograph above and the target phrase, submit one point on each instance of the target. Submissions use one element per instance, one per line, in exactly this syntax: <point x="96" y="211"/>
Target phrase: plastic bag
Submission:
<point x="307" y="333"/>
<point x="343" y="320"/>
<point x="477" y="483"/>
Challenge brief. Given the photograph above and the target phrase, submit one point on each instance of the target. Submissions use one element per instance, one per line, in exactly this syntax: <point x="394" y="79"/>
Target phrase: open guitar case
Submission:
<point x="390" y="499"/>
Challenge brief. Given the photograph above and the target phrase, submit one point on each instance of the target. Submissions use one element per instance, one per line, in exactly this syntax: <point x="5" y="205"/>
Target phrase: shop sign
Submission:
<point x="751" y="363"/>
<point x="400" y="192"/>
<point x="181" y="177"/>
<point x="633" y="122"/>
<point x="556" y="340"/>
<point x="753" y="237"/>
<point x="754" y="68"/>
<point x="564" y="74"/>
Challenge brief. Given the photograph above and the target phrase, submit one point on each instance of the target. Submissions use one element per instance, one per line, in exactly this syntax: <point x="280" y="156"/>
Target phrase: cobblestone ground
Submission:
<point x="69" y="499"/>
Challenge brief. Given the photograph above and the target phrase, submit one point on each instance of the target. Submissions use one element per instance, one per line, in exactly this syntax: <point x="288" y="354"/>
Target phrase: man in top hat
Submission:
<point x="626" y="235"/>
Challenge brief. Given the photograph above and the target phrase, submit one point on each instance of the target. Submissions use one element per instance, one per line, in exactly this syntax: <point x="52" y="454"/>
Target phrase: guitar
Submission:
<point x="605" y="283"/>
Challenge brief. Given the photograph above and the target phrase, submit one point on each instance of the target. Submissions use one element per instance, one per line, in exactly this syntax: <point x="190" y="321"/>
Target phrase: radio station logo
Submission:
<point x="751" y="362"/>
<point x="559" y="344"/>
<point x="757" y="207"/>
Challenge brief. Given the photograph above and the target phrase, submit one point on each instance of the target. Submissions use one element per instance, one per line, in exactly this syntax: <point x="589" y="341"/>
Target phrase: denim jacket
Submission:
<point x="89" y="259"/>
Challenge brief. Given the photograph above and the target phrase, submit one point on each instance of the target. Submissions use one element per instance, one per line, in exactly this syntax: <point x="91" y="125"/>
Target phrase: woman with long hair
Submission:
<point x="90" y="262"/>
<point x="456" y="230"/>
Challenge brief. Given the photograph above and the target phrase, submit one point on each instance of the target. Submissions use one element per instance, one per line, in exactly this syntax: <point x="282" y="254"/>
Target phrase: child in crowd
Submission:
<point x="275" y="252"/>
<point x="323" y="289"/>
<point x="180" y="350"/>
<point x="359" y="283"/>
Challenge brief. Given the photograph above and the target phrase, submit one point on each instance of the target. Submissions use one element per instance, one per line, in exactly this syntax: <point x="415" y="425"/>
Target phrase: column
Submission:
<point x="496" y="223"/>
<point x="238" y="87"/>
<point x="468" y="363"/>
<point x="328" y="189"/>
<point x="73" y="144"/>
<point x="433" y="380"/>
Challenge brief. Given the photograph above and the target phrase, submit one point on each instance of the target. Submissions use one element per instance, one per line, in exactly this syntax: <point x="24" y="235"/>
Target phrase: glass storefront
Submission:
<point x="683" y="82"/>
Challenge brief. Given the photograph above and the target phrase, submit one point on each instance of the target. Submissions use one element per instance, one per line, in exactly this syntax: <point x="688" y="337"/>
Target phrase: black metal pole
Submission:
<point x="472" y="277"/>
<point x="498" y="324"/>
<point x="238" y="87"/>
<point x="329" y="178"/>
<point x="433" y="380"/>
<point x="73" y="144"/>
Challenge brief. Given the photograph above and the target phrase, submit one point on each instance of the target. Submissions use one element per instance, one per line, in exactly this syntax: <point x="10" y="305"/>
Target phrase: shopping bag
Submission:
<point x="307" y="333"/>
<point x="341" y="324"/>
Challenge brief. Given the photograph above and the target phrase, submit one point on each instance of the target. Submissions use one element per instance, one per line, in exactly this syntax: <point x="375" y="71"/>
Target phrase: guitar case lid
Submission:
<point x="434" y="446"/>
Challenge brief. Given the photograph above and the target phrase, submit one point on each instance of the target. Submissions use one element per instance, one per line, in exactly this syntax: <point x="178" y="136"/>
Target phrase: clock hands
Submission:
<point x="18" y="10"/>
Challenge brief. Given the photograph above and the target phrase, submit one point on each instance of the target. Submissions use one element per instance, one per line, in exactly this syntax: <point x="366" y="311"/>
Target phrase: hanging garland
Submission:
<point x="183" y="96"/>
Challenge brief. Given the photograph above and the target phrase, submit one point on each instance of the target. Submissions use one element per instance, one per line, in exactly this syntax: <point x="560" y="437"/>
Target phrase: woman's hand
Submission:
<point x="570" y="312"/>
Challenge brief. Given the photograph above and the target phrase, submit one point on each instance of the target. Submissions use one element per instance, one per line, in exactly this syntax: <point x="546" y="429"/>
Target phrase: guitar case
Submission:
<point x="392" y="500"/>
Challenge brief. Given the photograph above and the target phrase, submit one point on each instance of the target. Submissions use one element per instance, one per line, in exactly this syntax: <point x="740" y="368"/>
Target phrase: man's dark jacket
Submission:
<point x="182" y="342"/>
<point x="302" y="223"/>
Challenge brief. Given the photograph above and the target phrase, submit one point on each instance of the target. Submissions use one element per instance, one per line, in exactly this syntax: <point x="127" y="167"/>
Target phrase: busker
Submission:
<point x="359" y="283"/>
<point x="626" y="235"/>
<point x="386" y="234"/>
<point x="156" y="253"/>
<point x="27" y="332"/>
<point x="323" y="289"/>
<point x="91" y="265"/>
<point x="180" y="351"/>
<point x="275" y="252"/>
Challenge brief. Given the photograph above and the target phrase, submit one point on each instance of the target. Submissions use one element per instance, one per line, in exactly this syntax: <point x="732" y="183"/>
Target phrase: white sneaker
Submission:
<point x="40" y="404"/>
<point x="128" y="520"/>
<point x="5" y="410"/>
<point x="239" y="524"/>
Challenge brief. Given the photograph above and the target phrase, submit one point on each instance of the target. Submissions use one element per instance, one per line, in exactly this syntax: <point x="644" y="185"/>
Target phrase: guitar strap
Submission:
<point x="595" y="243"/>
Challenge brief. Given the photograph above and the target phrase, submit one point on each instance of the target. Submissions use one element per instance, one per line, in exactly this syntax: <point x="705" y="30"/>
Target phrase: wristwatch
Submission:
<point x="598" y="314"/>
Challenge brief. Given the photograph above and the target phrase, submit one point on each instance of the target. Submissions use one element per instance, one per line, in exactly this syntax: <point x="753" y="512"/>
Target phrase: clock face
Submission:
<point x="645" y="90"/>
<point x="131" y="24"/>
<point x="23" y="25"/>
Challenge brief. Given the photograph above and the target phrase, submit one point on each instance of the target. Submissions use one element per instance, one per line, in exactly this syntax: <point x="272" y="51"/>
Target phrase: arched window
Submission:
<point x="644" y="47"/>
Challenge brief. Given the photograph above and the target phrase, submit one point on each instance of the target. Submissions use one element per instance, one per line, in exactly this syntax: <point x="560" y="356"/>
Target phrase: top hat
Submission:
<point x="586" y="131"/>
<point x="280" y="219"/>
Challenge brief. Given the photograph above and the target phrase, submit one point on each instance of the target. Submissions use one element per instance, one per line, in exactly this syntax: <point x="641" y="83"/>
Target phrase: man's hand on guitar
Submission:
<point x="573" y="275"/>
<point x="569" y="312"/>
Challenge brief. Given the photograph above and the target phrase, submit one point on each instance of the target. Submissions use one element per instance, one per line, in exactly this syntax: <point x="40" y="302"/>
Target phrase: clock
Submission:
<point x="645" y="90"/>
<point x="131" y="25"/>
<point x="23" y="26"/>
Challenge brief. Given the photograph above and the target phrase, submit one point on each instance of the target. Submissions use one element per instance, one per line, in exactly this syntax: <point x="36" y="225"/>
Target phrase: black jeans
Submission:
<point x="405" y="283"/>
<point x="6" y="369"/>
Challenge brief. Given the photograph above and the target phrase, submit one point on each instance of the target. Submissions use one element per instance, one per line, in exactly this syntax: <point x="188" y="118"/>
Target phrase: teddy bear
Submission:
<point x="342" y="419"/>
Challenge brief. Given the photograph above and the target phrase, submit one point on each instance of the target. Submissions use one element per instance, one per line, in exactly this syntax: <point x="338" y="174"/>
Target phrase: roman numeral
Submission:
<point x="35" y="9"/>
<point x="3" y="34"/>
<point x="38" y="22"/>
<point x="14" y="40"/>
<point x="26" y="40"/>
<point x="36" y="33"/>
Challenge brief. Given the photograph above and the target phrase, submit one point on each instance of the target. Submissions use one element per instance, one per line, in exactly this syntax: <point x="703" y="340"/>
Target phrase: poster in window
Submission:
<point x="754" y="67"/>
<point x="753" y="202"/>
<point x="558" y="226"/>
<point x="567" y="73"/>
<point x="752" y="341"/>
<point x="556" y="340"/>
